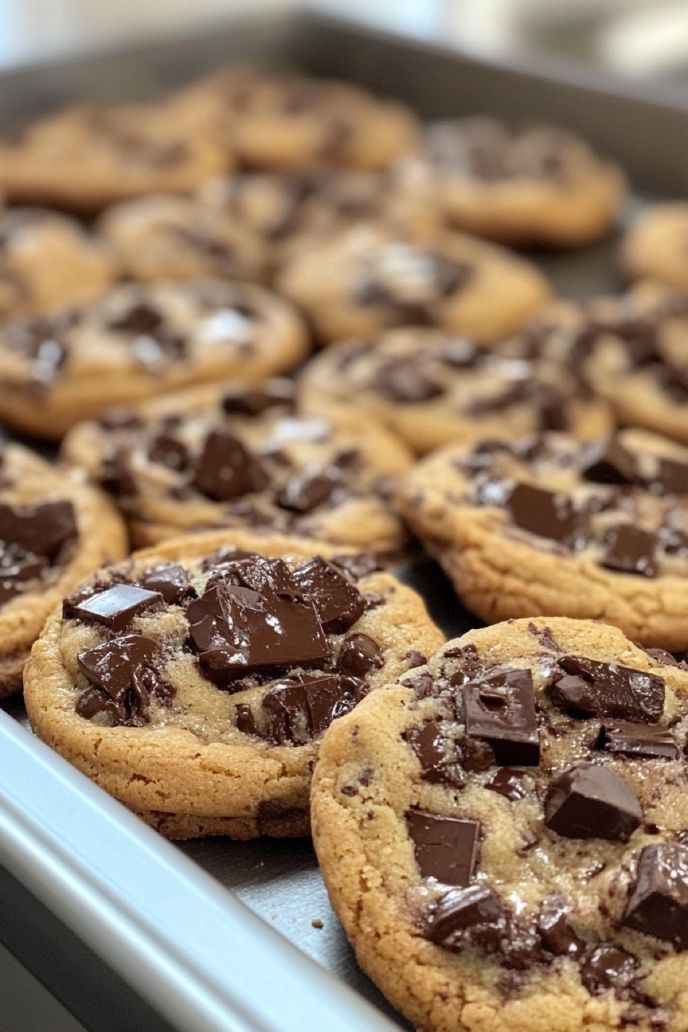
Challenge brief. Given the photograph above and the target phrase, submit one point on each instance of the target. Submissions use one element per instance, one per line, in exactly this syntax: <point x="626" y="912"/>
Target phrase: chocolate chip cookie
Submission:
<point x="433" y="388"/>
<point x="231" y="455"/>
<point x="502" y="833"/>
<point x="550" y="525"/>
<point x="48" y="261"/>
<point x="139" y="341"/>
<point x="656" y="245"/>
<point x="365" y="280"/>
<point x="54" y="531"/>
<point x="535" y="184"/>
<point x="85" y="157"/>
<point x="286" y="122"/>
<point x="194" y="682"/>
<point x="176" y="238"/>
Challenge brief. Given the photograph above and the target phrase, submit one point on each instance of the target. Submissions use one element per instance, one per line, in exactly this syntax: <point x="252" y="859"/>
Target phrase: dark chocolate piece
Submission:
<point x="358" y="565"/>
<point x="461" y="910"/>
<point x="171" y="581"/>
<point x="337" y="600"/>
<point x="299" y="707"/>
<point x="42" y="529"/>
<point x="116" y="606"/>
<point x="226" y="469"/>
<point x="168" y="450"/>
<point x="557" y="935"/>
<point x="658" y="902"/>
<point x="600" y="689"/>
<point x="607" y="967"/>
<point x="499" y="708"/>
<point x="631" y="549"/>
<point x="446" y="848"/>
<point x="123" y="671"/>
<point x="18" y="569"/>
<point x="608" y="462"/>
<point x="546" y="514"/>
<point x="513" y="784"/>
<point x="437" y="754"/>
<point x="404" y="381"/>
<point x="139" y="317"/>
<point x="628" y="739"/>
<point x="359" y="655"/>
<point x="245" y="720"/>
<point x="239" y="400"/>
<point x="586" y="801"/>
<point x="309" y="489"/>
<point x="117" y="473"/>
<point x="672" y="477"/>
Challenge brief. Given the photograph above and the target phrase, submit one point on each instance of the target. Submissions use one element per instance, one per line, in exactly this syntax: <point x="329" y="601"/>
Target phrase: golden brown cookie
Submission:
<point x="550" y="525"/>
<point x="502" y="833"/>
<point x="139" y="341"/>
<point x="365" y="280"/>
<point x="536" y="184"/>
<point x="433" y="388"/>
<point x="55" y="530"/>
<point x="656" y="245"/>
<point x="194" y="682"/>
<point x="231" y="455"/>
<point x="84" y="157"/>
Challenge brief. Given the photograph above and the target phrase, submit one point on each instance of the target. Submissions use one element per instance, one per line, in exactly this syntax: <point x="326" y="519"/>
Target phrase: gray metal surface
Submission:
<point x="160" y="915"/>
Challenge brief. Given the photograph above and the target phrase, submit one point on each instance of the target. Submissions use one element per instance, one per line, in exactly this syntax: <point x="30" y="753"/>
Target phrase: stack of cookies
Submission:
<point x="289" y="342"/>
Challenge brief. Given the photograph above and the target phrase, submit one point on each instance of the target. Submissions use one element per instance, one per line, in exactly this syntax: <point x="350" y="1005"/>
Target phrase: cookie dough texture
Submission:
<point x="190" y="771"/>
<point x="367" y="779"/>
<point x="337" y="468"/>
<point x="504" y="565"/>
<point x="283" y="122"/>
<point x="137" y="341"/>
<point x="535" y="184"/>
<point x="365" y="280"/>
<point x="84" y="157"/>
<point x="656" y="245"/>
<point x="48" y="261"/>
<point x="27" y="480"/>
<point x="432" y="388"/>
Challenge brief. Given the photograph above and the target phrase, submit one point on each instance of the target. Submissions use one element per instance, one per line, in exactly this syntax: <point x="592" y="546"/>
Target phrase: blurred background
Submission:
<point x="641" y="39"/>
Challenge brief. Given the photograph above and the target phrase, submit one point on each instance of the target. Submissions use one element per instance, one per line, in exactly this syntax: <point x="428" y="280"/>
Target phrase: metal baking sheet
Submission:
<point x="159" y="914"/>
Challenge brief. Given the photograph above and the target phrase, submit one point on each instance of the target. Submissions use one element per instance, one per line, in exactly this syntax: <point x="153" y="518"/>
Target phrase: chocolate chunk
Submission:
<point x="499" y="708"/>
<point x="139" y="317"/>
<point x="461" y="910"/>
<point x="557" y="935"/>
<point x="628" y="739"/>
<point x="409" y="281"/>
<point x="658" y="902"/>
<point x="119" y="419"/>
<point x="437" y="754"/>
<point x="631" y="550"/>
<point x="18" y="569"/>
<point x="513" y="784"/>
<point x="403" y="380"/>
<point x="662" y="657"/>
<point x="116" y="472"/>
<point x="460" y="353"/>
<point x="607" y="967"/>
<point x="245" y="720"/>
<point x="300" y="707"/>
<point x="226" y="469"/>
<point x="170" y="581"/>
<point x="123" y="671"/>
<point x="237" y="631"/>
<point x="309" y="489"/>
<point x="168" y="450"/>
<point x="252" y="571"/>
<point x="546" y="514"/>
<point x="586" y="801"/>
<point x="359" y="655"/>
<point x="608" y="462"/>
<point x="358" y="565"/>
<point x="239" y="400"/>
<point x="607" y="690"/>
<point x="672" y="477"/>
<point x="116" y="606"/>
<point x="446" y="848"/>
<point x="42" y="529"/>
<point x="337" y="601"/>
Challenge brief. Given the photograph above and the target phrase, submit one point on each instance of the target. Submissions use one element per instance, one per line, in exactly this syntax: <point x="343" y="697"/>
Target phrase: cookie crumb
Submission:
<point x="317" y="923"/>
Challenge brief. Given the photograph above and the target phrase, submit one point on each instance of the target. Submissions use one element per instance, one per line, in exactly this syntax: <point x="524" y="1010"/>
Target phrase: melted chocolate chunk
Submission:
<point x="116" y="472"/>
<point x="631" y="549"/>
<point x="437" y="754"/>
<point x="116" y="606"/>
<point x="662" y="657"/>
<point x="299" y="707"/>
<point x="627" y="739"/>
<point x="18" y="569"/>
<point x="546" y="514"/>
<point x="446" y="848"/>
<point x="608" y="462"/>
<point x="672" y="477"/>
<point x="359" y="655"/>
<point x="360" y="565"/>
<point x="170" y="581"/>
<point x="237" y="630"/>
<point x="245" y="719"/>
<point x="168" y="450"/>
<point x="42" y="529"/>
<point x="595" y="689"/>
<point x="461" y="910"/>
<point x="607" y="967"/>
<point x="586" y="801"/>
<point x="122" y="671"/>
<point x="499" y="709"/>
<point x="139" y="317"/>
<point x="239" y="400"/>
<point x="409" y="281"/>
<point x="557" y="935"/>
<point x="545" y="637"/>
<point x="403" y="380"/>
<point x="310" y="489"/>
<point x="658" y="902"/>
<point x="337" y="601"/>
<point x="226" y="469"/>
<point x="513" y="784"/>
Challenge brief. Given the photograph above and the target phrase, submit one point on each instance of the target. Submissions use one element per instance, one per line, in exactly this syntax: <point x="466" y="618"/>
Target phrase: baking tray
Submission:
<point x="80" y="872"/>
